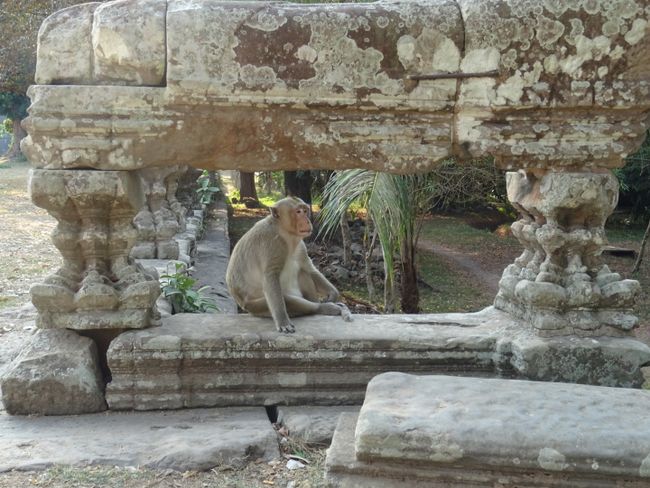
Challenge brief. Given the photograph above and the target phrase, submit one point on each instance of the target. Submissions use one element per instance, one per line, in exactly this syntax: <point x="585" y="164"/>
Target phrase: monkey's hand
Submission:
<point x="287" y="328"/>
<point x="346" y="315"/>
<point x="332" y="295"/>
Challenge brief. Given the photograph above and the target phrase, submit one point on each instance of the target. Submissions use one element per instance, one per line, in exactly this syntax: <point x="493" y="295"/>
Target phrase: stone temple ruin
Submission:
<point x="127" y="92"/>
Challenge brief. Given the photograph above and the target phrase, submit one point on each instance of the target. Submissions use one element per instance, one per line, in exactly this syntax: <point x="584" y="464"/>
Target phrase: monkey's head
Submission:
<point x="292" y="215"/>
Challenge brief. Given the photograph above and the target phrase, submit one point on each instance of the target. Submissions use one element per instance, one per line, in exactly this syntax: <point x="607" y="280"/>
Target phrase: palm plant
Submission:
<point x="395" y="204"/>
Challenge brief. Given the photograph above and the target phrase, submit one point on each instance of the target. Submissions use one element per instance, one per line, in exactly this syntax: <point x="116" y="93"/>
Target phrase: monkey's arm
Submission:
<point x="324" y="287"/>
<point x="322" y="284"/>
<point x="275" y="301"/>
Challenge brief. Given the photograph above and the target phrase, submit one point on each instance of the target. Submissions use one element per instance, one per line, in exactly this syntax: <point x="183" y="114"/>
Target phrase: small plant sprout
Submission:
<point x="205" y="191"/>
<point x="177" y="287"/>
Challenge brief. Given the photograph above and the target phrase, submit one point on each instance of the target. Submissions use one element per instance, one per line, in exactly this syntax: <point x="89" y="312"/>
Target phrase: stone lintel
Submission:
<point x="434" y="431"/>
<point x="225" y="360"/>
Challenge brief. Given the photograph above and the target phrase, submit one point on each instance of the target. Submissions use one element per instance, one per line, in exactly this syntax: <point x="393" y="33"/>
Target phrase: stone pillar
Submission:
<point x="161" y="217"/>
<point x="559" y="285"/>
<point x="97" y="287"/>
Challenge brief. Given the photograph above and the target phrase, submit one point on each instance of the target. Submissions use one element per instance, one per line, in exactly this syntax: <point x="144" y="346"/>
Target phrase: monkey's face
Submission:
<point x="292" y="215"/>
<point x="302" y="223"/>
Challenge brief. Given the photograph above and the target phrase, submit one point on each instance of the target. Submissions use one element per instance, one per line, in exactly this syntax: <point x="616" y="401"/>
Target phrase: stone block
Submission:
<point x="128" y="40"/>
<point x="65" y="35"/>
<point x="56" y="374"/>
<point x="312" y="425"/>
<point x="196" y="360"/>
<point x="371" y="69"/>
<point x="592" y="360"/>
<point x="435" y="431"/>
<point x="200" y="360"/>
<point x="185" y="440"/>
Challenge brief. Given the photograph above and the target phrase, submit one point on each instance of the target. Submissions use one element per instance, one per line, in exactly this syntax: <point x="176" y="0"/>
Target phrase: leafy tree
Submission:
<point x="14" y="107"/>
<point x="396" y="205"/>
<point x="634" y="179"/>
<point x="298" y="184"/>
<point x="20" y="21"/>
<point x="247" y="189"/>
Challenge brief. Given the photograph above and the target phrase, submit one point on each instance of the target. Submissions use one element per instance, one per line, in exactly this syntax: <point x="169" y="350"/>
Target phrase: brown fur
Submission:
<point x="270" y="273"/>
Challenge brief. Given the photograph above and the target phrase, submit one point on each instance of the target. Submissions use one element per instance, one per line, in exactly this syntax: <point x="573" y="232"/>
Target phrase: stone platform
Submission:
<point x="227" y="360"/>
<point x="442" y="431"/>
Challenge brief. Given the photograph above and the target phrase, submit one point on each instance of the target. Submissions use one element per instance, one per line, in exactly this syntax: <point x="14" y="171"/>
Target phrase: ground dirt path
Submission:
<point x="489" y="279"/>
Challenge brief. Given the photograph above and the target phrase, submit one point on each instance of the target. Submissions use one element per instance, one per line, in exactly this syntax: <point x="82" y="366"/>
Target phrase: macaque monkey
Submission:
<point x="270" y="273"/>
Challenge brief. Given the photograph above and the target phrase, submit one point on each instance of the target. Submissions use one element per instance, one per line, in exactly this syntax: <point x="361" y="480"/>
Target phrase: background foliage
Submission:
<point x="634" y="178"/>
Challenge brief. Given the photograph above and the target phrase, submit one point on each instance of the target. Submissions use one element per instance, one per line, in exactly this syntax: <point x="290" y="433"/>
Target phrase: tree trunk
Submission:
<point x="298" y="184"/>
<point x="368" y="259"/>
<point x="346" y="238"/>
<point x="18" y="135"/>
<point x="247" y="190"/>
<point x="389" y="291"/>
<point x="410" y="296"/>
<point x="639" y="258"/>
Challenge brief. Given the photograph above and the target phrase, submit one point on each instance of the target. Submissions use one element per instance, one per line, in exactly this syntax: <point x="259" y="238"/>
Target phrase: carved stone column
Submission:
<point x="97" y="287"/>
<point x="161" y="217"/>
<point x="558" y="285"/>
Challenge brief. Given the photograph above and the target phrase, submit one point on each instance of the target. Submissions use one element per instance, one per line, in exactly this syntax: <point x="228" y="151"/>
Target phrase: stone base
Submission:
<point x="440" y="431"/>
<point x="227" y="360"/>
<point x="57" y="373"/>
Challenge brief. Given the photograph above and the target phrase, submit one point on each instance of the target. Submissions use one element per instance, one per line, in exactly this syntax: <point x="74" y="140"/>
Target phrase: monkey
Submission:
<point x="270" y="273"/>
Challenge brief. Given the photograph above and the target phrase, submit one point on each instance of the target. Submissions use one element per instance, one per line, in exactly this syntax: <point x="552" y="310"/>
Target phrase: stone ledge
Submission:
<point x="434" y="431"/>
<point x="226" y="360"/>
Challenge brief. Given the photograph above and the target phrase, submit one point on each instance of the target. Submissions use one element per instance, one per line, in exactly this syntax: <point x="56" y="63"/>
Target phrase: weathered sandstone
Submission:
<point x="57" y="373"/>
<point x="226" y="360"/>
<point x="333" y="86"/>
<point x="435" y="431"/>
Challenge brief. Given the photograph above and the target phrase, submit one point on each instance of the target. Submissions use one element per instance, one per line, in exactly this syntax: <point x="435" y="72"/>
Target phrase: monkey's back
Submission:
<point x="249" y="260"/>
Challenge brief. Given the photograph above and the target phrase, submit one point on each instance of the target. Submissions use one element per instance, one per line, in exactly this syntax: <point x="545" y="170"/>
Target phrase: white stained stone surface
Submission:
<point x="505" y="425"/>
<point x="183" y="440"/>
<point x="57" y="373"/>
<point x="128" y="41"/>
<point x="64" y="52"/>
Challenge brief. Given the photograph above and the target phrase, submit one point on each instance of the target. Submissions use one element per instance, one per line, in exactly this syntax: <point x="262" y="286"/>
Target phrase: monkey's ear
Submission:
<point x="275" y="212"/>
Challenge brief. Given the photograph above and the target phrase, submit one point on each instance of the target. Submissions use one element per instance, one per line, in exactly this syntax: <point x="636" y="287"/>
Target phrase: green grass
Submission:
<point x="624" y="234"/>
<point x="450" y="290"/>
<point x="453" y="291"/>
<point x="453" y="232"/>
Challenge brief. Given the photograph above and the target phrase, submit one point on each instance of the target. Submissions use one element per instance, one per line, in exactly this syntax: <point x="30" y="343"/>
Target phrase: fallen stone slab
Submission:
<point x="206" y="360"/>
<point x="182" y="440"/>
<point x="434" y="431"/>
<point x="57" y="373"/>
<point x="313" y="424"/>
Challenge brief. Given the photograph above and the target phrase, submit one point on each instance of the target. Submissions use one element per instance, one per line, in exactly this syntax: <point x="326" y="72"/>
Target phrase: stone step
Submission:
<point x="205" y="360"/>
<point x="184" y="440"/>
<point x="453" y="432"/>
